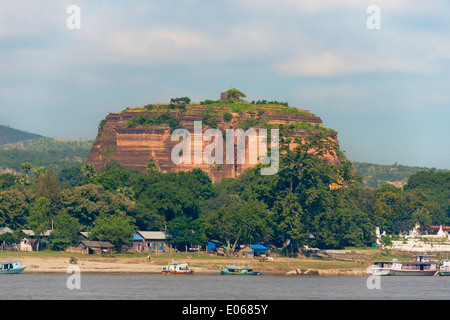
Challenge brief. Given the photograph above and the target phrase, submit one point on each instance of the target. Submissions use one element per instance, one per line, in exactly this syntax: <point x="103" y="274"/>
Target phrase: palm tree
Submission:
<point x="151" y="166"/>
<point x="39" y="172"/>
<point x="23" y="179"/>
<point x="26" y="167"/>
<point x="88" y="171"/>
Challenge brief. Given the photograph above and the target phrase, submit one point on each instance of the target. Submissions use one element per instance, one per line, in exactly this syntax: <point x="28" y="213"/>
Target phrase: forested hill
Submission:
<point x="375" y="175"/>
<point x="18" y="147"/>
<point x="10" y="135"/>
<point x="47" y="144"/>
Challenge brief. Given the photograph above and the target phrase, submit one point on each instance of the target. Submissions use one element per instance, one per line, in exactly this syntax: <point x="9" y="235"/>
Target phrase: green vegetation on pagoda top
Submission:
<point x="231" y="108"/>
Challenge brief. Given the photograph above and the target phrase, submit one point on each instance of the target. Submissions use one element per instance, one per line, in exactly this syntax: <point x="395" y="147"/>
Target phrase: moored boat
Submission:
<point x="240" y="269"/>
<point x="178" y="268"/>
<point x="421" y="266"/>
<point x="444" y="267"/>
<point x="11" y="267"/>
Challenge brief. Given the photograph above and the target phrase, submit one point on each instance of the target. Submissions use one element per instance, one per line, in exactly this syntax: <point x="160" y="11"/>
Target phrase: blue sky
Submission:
<point x="386" y="91"/>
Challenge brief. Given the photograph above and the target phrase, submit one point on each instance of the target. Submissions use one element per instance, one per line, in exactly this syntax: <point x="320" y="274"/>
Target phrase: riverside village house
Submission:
<point x="145" y="241"/>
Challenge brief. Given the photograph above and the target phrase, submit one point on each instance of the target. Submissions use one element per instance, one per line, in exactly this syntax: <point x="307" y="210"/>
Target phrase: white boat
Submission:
<point x="11" y="267"/>
<point x="421" y="266"/>
<point x="444" y="267"/>
<point x="381" y="268"/>
<point x="178" y="268"/>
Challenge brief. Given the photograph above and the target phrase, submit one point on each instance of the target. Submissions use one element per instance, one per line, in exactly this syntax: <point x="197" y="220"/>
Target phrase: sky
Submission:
<point x="379" y="77"/>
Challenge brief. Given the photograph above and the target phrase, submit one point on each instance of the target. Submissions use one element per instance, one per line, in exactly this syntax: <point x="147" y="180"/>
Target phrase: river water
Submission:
<point x="218" y="287"/>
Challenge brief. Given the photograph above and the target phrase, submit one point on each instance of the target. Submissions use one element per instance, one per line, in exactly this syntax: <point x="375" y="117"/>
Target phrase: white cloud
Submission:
<point x="32" y="17"/>
<point x="160" y="44"/>
<point x="441" y="50"/>
<point x="316" y="6"/>
<point x="329" y="64"/>
<point x="152" y="45"/>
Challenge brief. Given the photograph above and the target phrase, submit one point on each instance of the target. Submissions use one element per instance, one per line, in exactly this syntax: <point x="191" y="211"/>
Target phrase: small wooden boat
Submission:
<point x="240" y="269"/>
<point x="11" y="267"/>
<point x="178" y="268"/>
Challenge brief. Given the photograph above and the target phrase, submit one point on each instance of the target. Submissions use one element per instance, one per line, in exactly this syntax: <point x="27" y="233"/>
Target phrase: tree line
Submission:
<point x="297" y="206"/>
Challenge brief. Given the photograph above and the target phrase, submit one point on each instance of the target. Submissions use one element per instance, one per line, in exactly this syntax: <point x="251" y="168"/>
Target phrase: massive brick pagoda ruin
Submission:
<point x="134" y="147"/>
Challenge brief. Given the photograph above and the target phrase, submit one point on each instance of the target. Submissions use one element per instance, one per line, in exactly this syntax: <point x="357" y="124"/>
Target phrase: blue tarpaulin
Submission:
<point x="258" y="247"/>
<point x="211" y="246"/>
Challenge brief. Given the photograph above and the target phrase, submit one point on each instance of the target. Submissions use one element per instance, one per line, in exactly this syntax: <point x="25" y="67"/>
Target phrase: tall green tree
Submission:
<point x="186" y="231"/>
<point x="39" y="219"/>
<point x="399" y="210"/>
<point x="71" y="176"/>
<point x="87" y="202"/>
<point x="436" y="185"/>
<point x="290" y="220"/>
<point x="117" y="229"/>
<point x="235" y="94"/>
<point x="66" y="231"/>
<point x="226" y="224"/>
<point x="7" y="180"/>
<point x="301" y="166"/>
<point x="14" y="208"/>
<point x="343" y="225"/>
<point x="239" y="222"/>
<point x="46" y="186"/>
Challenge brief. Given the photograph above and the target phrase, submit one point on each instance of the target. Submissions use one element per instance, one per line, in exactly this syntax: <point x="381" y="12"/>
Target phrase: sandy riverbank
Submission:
<point x="60" y="265"/>
<point x="142" y="265"/>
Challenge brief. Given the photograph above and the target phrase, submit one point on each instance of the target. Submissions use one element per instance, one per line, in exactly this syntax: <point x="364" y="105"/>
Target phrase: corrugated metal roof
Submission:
<point x="5" y="230"/>
<point x="97" y="244"/>
<point x="154" y="235"/>
<point x="31" y="232"/>
<point x="85" y="234"/>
